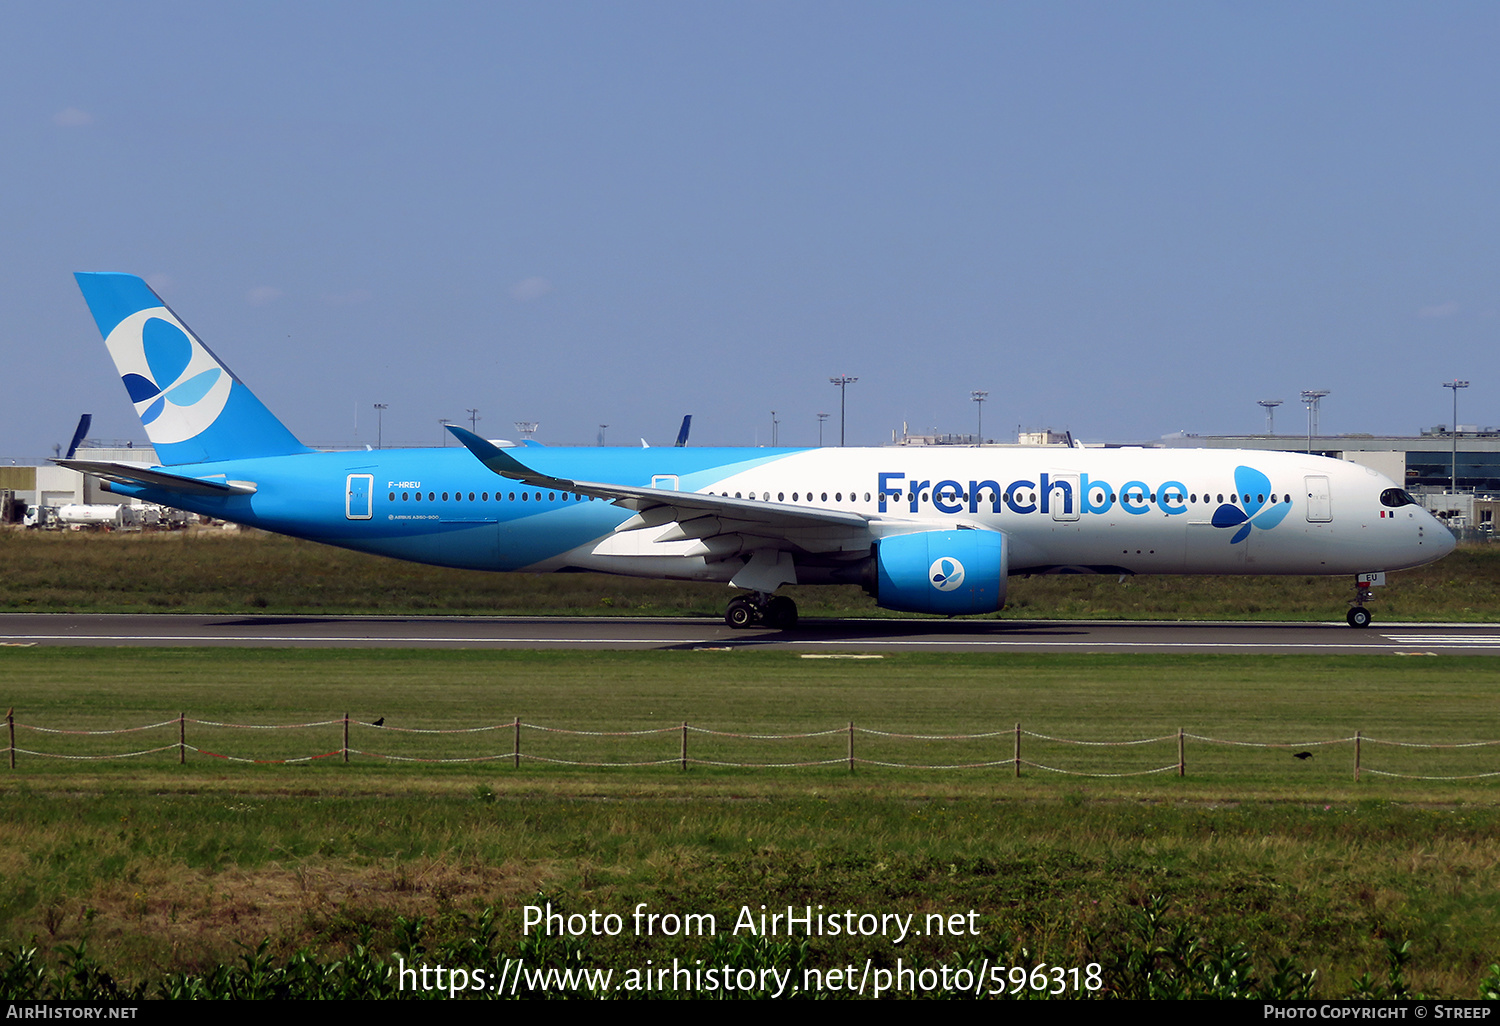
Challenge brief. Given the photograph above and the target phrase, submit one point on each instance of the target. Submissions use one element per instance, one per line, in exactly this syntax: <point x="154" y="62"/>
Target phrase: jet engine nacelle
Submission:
<point x="954" y="573"/>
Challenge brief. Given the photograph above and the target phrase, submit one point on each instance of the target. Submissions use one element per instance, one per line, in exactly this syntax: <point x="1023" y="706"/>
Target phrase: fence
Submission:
<point x="686" y="745"/>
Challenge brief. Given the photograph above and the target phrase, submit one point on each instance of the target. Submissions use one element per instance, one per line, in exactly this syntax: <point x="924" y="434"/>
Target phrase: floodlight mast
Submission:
<point x="1311" y="397"/>
<point x="979" y="396"/>
<point x="821" y="418"/>
<point x="1269" y="405"/>
<point x="380" y="409"/>
<point x="843" y="381"/>
<point x="1455" y="384"/>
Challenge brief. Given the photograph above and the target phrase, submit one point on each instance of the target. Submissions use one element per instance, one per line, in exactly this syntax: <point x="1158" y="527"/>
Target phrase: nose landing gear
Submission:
<point x="775" y="611"/>
<point x="1358" y="615"/>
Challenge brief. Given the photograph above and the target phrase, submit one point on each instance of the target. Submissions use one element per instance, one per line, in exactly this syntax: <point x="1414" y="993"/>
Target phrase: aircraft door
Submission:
<point x="359" y="497"/>
<point x="1319" y="500"/>
<point x="1062" y="496"/>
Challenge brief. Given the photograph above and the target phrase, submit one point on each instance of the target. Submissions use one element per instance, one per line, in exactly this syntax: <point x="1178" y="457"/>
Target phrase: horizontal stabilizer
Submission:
<point x="154" y="477"/>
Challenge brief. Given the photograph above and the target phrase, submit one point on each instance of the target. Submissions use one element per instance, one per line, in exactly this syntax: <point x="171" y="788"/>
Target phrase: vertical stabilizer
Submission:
<point x="193" y="407"/>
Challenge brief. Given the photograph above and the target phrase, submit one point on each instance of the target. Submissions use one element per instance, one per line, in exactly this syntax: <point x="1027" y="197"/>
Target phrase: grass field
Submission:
<point x="1256" y="868"/>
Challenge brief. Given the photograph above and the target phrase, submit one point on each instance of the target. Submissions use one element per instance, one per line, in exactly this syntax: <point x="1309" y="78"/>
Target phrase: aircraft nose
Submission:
<point x="1439" y="537"/>
<point x="1448" y="540"/>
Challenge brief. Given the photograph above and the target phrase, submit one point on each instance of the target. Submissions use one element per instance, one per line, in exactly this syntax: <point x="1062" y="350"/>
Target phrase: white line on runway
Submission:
<point x="1449" y="640"/>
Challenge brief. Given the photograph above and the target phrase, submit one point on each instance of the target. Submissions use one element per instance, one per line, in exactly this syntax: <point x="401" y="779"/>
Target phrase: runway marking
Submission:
<point x="1448" y="640"/>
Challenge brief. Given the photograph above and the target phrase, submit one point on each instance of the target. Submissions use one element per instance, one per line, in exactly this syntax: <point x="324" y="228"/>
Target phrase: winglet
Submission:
<point x="503" y="463"/>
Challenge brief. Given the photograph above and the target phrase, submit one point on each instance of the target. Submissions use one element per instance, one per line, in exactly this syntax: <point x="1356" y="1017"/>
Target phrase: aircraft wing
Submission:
<point x="697" y="515"/>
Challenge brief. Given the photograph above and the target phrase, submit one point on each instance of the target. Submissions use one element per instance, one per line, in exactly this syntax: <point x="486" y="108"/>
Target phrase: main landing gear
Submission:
<point x="775" y="611"/>
<point x="1358" y="615"/>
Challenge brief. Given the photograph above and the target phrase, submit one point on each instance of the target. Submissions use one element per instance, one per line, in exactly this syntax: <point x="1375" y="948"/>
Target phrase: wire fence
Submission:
<point x="1013" y="750"/>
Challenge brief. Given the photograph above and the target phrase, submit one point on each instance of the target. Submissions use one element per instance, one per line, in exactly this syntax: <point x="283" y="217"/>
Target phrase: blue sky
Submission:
<point x="1123" y="219"/>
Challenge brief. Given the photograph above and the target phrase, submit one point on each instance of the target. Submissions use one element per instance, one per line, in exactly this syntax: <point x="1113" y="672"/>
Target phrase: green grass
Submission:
<point x="1269" y="700"/>
<point x="220" y="572"/>
<point x="159" y="868"/>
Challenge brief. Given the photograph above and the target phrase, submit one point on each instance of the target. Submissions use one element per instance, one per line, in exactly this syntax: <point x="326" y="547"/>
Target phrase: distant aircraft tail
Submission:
<point x="193" y="407"/>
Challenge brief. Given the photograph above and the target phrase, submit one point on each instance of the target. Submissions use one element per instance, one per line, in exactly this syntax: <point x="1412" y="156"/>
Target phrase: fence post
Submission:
<point x="182" y="739"/>
<point x="684" y="746"/>
<point x="346" y="739"/>
<point x="10" y="725"/>
<point x="516" y="744"/>
<point x="1357" y="736"/>
<point x="1181" y="755"/>
<point x="1018" y="751"/>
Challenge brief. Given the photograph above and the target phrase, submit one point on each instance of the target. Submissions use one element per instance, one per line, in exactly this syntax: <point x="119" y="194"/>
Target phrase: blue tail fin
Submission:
<point x="193" y="407"/>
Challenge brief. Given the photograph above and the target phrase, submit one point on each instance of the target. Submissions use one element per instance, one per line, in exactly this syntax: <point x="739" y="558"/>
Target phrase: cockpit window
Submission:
<point x="1396" y="497"/>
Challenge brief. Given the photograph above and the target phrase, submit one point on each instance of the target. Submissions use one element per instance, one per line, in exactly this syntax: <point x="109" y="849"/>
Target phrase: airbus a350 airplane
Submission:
<point x="930" y="530"/>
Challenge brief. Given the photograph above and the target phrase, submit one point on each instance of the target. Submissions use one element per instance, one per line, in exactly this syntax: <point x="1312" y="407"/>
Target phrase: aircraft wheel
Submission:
<point x="1359" y="616"/>
<point x="740" y="614"/>
<point x="781" y="613"/>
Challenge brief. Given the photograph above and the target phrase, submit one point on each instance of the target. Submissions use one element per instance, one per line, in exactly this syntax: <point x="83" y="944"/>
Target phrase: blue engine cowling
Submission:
<point x="954" y="573"/>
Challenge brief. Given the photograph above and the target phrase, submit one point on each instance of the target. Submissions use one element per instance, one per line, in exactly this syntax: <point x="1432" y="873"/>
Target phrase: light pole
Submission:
<point x="774" y="424"/>
<point x="1455" y="384"/>
<point x="843" y="381"/>
<point x="1312" y="396"/>
<point x="1269" y="405"/>
<point x="821" y="418"/>
<point x="601" y="434"/>
<point x="380" y="409"/>
<point x="979" y="397"/>
<point x="443" y="423"/>
<point x="473" y="419"/>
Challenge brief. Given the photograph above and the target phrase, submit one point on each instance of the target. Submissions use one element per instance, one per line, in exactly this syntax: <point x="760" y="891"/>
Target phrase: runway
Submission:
<point x="814" y="637"/>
